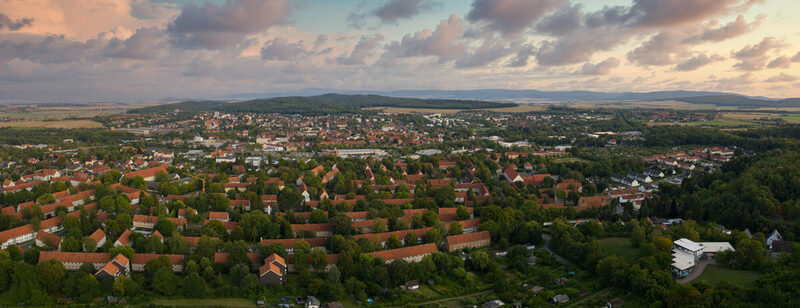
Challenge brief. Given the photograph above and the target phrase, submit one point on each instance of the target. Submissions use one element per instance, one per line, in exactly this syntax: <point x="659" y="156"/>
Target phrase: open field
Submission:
<point x="570" y="160"/>
<point x="216" y="302"/>
<point x="520" y="108"/>
<point x="53" y="124"/>
<point x="715" y="274"/>
<point x="60" y="112"/>
<point x="619" y="246"/>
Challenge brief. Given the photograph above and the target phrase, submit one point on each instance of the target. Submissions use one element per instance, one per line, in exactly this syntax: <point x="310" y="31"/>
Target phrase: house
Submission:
<point x="312" y="302"/>
<point x="74" y="260"/>
<point x="139" y="260"/>
<point x="119" y="265"/>
<point x="124" y="239"/>
<point x="412" y="285"/>
<point x="614" y="303"/>
<point x="686" y="253"/>
<point x="468" y="240"/>
<point x="493" y="304"/>
<point x="273" y="272"/>
<point x="780" y="247"/>
<point x="409" y="254"/>
<point x="774" y="236"/>
<point x="560" y="298"/>
<point x="99" y="237"/>
<point x="47" y="240"/>
<point x="149" y="174"/>
<point x="221" y="216"/>
<point x="512" y="175"/>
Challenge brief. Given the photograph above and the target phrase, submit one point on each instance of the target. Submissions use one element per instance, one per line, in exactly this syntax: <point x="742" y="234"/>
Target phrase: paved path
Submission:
<point x="698" y="270"/>
<point x="546" y="247"/>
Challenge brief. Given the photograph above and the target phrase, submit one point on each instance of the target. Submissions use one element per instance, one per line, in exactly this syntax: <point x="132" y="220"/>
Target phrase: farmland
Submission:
<point x="68" y="124"/>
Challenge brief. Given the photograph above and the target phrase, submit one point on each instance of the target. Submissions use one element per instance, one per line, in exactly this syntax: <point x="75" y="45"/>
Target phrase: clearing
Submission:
<point x="208" y="302"/>
<point x="619" y="246"/>
<point x="715" y="274"/>
<point x="53" y="124"/>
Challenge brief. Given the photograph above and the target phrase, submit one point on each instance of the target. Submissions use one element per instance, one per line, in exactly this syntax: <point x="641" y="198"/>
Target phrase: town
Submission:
<point x="371" y="208"/>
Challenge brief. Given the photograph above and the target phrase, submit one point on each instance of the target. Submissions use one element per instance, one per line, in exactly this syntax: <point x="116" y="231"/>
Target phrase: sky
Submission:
<point x="146" y="50"/>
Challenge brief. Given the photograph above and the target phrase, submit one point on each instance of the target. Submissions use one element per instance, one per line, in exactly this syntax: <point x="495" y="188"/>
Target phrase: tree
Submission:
<point x="317" y="216"/>
<point x="164" y="281"/>
<point x="89" y="244"/>
<point x="394" y="242"/>
<point x="637" y="236"/>
<point x="51" y="274"/>
<point x="481" y="262"/>
<point x="410" y="239"/>
<point x="455" y="228"/>
<point x="319" y="259"/>
<point x="333" y="274"/>
<point x="517" y="257"/>
<point x="378" y="226"/>
<point x="341" y="224"/>
<point x="194" y="286"/>
<point x="462" y="213"/>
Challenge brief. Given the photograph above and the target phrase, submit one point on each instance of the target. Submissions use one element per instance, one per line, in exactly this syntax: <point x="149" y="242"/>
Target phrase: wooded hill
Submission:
<point x="322" y="104"/>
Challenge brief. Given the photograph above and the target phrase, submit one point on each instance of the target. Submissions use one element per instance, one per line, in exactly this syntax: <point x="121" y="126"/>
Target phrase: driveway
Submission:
<point x="698" y="270"/>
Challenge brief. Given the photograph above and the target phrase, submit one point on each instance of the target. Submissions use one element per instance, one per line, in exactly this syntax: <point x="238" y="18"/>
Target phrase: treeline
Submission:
<point x="323" y="104"/>
<point x="18" y="136"/>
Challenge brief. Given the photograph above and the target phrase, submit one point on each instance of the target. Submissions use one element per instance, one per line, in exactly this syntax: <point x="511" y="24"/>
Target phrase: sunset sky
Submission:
<point x="141" y="50"/>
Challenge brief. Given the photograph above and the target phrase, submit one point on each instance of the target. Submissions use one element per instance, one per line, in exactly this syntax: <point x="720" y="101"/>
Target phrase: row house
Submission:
<point x="289" y="244"/>
<point x="468" y="240"/>
<point x="26" y="233"/>
<point x="410" y="254"/>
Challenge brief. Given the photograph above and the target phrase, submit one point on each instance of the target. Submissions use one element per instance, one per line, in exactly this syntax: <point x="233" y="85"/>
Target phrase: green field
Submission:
<point x="215" y="302"/>
<point x="714" y="274"/>
<point x="619" y="246"/>
<point x="724" y="122"/>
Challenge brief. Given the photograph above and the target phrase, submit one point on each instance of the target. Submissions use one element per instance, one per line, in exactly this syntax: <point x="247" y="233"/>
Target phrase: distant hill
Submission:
<point x="740" y="101"/>
<point x="497" y="94"/>
<point x="322" y="104"/>
<point x="186" y="106"/>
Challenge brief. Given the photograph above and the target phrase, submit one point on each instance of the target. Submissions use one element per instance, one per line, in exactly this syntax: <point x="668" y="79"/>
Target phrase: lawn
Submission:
<point x="619" y="246"/>
<point x="714" y="274"/>
<point x="211" y="302"/>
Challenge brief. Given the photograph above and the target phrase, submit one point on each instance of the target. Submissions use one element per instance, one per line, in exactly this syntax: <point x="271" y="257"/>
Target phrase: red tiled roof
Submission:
<point x="97" y="235"/>
<point x="143" y="258"/>
<point x="74" y="257"/>
<point x="290" y="242"/>
<point x="145" y="173"/>
<point x="468" y="237"/>
<point x="392" y="254"/>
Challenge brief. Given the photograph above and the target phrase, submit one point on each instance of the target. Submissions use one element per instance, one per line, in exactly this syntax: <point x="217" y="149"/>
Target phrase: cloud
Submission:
<point x="145" y="9"/>
<point x="394" y="10"/>
<point x="796" y="57"/>
<point x="780" y="62"/>
<point x="523" y="54"/>
<point x="754" y="57"/>
<point x="697" y="62"/>
<point x="511" y="16"/>
<point x="658" y="50"/>
<point x="782" y="77"/>
<point x="743" y="81"/>
<point x="602" y="68"/>
<point x="727" y="31"/>
<point x="489" y="51"/>
<point x="46" y="49"/>
<point x="14" y="25"/>
<point x="363" y="50"/>
<point x="281" y="49"/>
<point x="661" y="13"/>
<point x="217" y="27"/>
<point x="561" y="22"/>
<point x="444" y="42"/>
<point x="142" y="45"/>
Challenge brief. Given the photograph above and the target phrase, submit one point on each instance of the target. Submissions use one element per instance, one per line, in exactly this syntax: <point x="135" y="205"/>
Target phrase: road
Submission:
<point x="698" y="270"/>
<point x="546" y="247"/>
